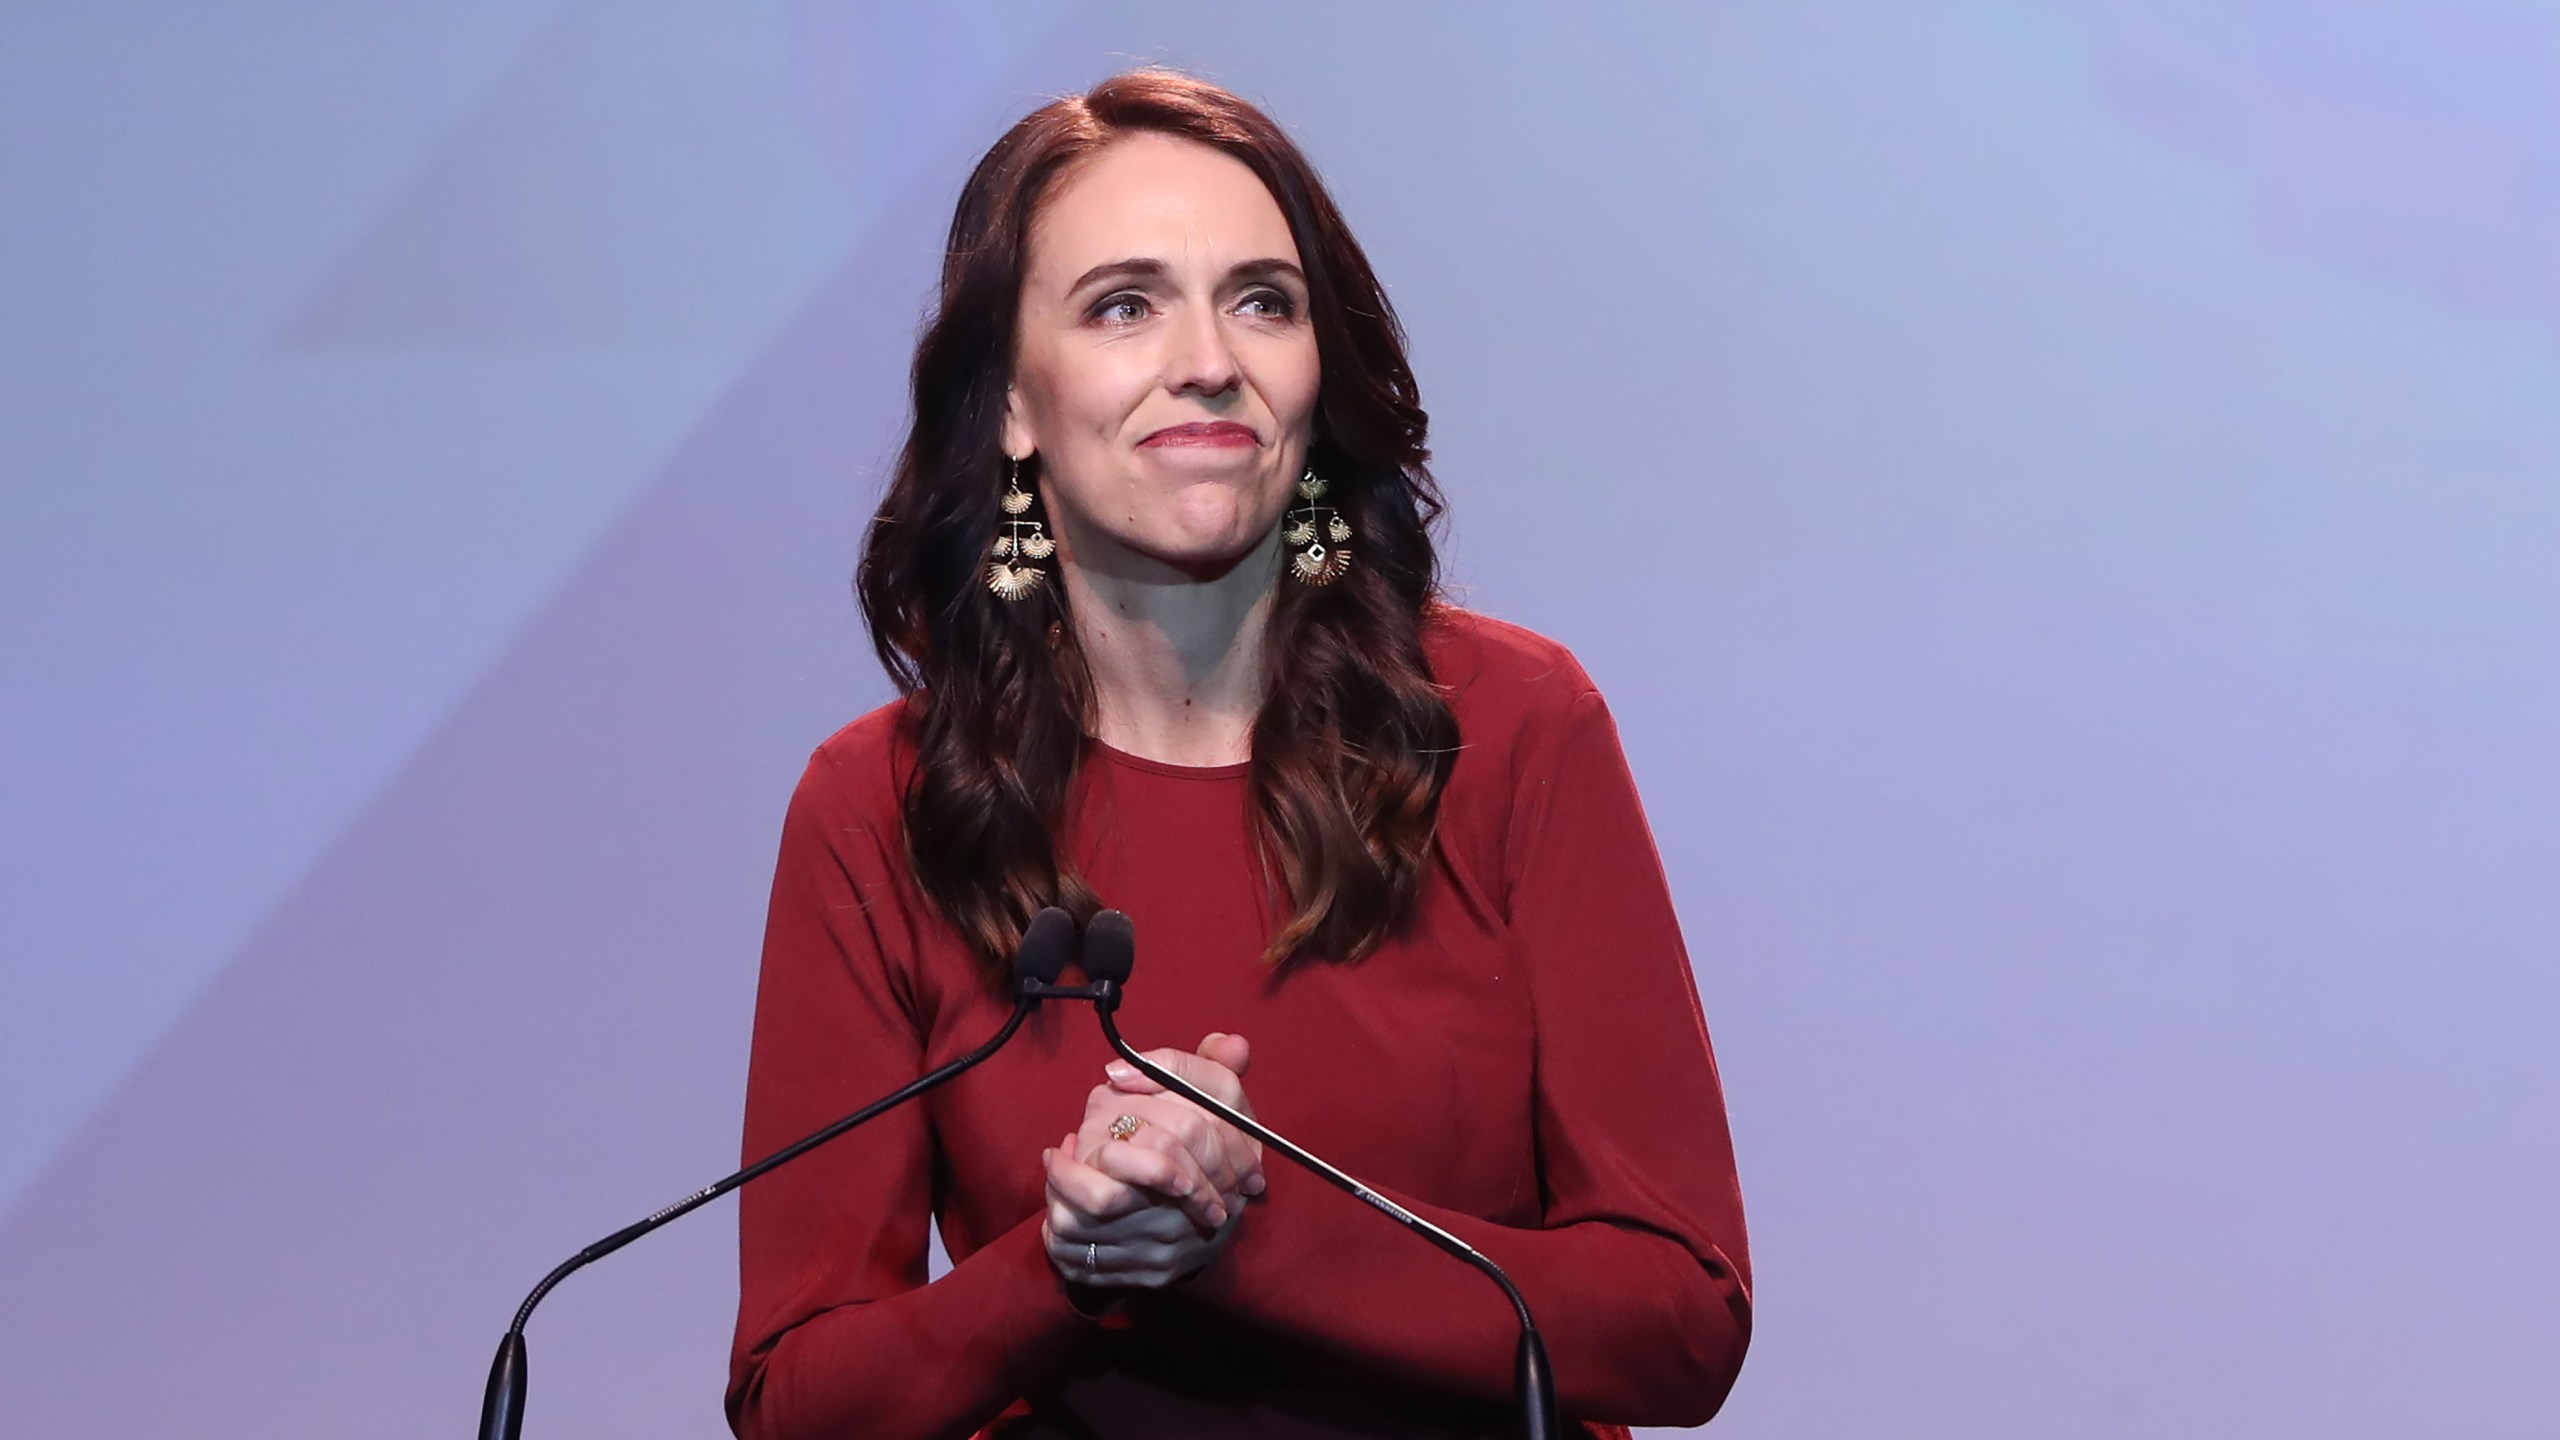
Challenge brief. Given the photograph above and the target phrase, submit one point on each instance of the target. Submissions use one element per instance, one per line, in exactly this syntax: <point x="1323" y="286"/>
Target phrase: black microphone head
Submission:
<point x="1048" y="943"/>
<point x="1110" y="947"/>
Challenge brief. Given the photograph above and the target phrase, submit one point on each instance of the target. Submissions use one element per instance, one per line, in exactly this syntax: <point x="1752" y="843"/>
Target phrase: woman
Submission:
<point x="1154" y="575"/>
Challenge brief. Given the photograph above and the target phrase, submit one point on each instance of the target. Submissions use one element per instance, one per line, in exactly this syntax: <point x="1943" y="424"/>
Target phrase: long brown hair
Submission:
<point x="1353" y="743"/>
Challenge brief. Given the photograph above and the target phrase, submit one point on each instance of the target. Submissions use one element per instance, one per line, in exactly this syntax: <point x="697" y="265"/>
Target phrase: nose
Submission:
<point x="1201" y="361"/>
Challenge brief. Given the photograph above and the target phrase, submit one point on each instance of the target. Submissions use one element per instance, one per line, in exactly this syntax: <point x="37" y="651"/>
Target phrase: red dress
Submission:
<point x="1524" y="1063"/>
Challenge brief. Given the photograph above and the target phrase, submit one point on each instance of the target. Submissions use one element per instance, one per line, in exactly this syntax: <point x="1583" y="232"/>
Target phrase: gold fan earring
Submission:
<point x="1019" y="541"/>
<point x="1321" y="530"/>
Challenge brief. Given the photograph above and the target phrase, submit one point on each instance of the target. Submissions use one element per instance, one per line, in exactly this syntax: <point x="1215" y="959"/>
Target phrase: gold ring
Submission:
<point x="1125" y="1126"/>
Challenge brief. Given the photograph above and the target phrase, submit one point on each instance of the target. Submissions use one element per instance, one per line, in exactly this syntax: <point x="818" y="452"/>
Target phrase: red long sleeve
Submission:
<point x="833" y="1246"/>
<point x="1634" y="1268"/>
<point x="1523" y="1062"/>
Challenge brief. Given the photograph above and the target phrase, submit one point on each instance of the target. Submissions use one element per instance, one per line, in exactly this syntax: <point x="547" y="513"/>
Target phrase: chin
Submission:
<point x="1203" y="553"/>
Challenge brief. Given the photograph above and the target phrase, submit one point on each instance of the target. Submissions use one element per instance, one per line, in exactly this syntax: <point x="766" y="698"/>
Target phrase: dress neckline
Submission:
<point x="1123" y="758"/>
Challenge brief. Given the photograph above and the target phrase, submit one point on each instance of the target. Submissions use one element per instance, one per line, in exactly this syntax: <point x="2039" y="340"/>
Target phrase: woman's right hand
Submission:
<point x="1150" y="1207"/>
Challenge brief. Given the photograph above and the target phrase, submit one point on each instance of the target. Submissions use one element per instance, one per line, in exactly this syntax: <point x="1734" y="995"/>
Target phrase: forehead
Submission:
<point x="1155" y="197"/>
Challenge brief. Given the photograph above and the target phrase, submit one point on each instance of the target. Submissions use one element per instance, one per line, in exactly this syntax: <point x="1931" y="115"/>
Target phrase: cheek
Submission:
<point x="1294" y="385"/>
<point x="1095" y="395"/>
<point x="1068" y="396"/>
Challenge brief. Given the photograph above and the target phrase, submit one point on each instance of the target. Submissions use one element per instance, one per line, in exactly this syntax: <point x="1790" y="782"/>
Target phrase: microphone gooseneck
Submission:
<point x="1110" y="953"/>
<point x="1047" y="944"/>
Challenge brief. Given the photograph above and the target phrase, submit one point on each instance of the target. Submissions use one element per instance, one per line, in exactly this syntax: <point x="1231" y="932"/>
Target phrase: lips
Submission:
<point x="1203" y="432"/>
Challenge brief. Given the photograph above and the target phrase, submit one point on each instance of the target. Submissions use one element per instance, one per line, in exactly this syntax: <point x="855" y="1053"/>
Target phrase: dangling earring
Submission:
<point x="1017" y="542"/>
<point x="1311" y="525"/>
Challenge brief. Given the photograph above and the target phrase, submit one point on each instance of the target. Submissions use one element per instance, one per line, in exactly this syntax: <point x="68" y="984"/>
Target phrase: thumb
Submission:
<point x="1204" y="1074"/>
<point x="1231" y="1051"/>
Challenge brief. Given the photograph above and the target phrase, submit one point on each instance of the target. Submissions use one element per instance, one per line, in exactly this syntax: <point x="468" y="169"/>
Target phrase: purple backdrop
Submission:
<point x="2061" y="494"/>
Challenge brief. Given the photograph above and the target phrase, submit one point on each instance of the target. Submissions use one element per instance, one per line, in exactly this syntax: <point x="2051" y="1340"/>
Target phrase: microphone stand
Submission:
<point x="502" y="1404"/>
<point x="1532" y="1377"/>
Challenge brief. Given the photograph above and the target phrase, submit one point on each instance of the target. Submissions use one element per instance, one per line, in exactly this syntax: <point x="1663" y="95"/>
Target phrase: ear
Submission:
<point x="1019" y="442"/>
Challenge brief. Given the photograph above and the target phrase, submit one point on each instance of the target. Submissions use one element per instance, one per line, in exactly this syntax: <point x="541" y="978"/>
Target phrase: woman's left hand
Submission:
<point x="1105" y="1232"/>
<point x="1137" y="1132"/>
<point x="1153" y="1205"/>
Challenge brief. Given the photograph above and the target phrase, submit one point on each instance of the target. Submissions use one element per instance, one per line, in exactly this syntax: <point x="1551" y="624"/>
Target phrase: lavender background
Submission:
<point x="2064" y="498"/>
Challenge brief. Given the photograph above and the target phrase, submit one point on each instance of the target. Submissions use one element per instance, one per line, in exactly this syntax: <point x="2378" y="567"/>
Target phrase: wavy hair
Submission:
<point x="1353" y="744"/>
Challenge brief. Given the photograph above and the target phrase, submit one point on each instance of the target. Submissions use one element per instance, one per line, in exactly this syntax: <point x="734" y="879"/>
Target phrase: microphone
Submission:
<point x="1110" y="953"/>
<point x="1047" y="944"/>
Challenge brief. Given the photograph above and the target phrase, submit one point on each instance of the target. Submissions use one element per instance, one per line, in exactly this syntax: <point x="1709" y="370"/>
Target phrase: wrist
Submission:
<point x="1092" y="1301"/>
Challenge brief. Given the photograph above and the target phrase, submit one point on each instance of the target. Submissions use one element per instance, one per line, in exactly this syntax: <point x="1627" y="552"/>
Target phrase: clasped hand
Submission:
<point x="1148" y="1208"/>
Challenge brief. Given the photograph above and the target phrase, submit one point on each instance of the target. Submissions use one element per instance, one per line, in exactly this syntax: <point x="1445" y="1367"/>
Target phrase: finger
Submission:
<point x="1081" y="1197"/>
<point x="1156" y="1162"/>
<point x="1231" y="1051"/>
<point x="1127" y="1079"/>
<point x="1185" y="1155"/>
<point x="1140" y="1264"/>
<point x="1156" y="1237"/>
<point x="1208" y="1076"/>
<point x="1117" y="1273"/>
<point x="1171" y="1173"/>
<point x="1086" y="1263"/>
<point x="1158" y="1224"/>
<point x="1226" y="1155"/>
<point x="1153" y="1224"/>
<point x="1161" y="1118"/>
<point x="1103" y="1109"/>
<point x="1180" y="1259"/>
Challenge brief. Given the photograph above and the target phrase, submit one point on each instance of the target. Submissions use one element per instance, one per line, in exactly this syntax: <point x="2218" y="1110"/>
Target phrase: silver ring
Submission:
<point x="1092" y="1256"/>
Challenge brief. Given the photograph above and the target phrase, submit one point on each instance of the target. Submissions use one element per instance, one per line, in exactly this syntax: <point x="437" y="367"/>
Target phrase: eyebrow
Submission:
<point x="1262" y="269"/>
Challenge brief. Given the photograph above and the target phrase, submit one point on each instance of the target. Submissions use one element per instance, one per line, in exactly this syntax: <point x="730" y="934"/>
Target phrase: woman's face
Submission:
<point x="1164" y="368"/>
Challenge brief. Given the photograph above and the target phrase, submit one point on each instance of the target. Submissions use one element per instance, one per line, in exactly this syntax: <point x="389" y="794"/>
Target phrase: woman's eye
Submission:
<point x="1271" y="303"/>
<point x="1120" y="309"/>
